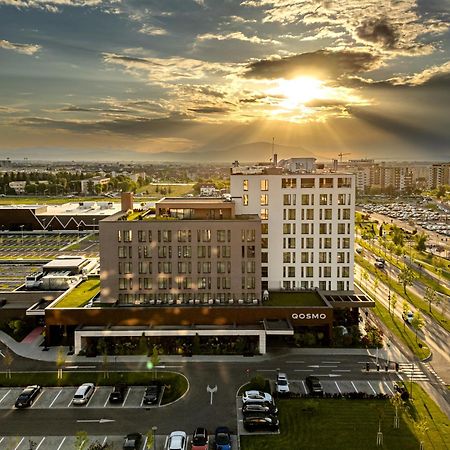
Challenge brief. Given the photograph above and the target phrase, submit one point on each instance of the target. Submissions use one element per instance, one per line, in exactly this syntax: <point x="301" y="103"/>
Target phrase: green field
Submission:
<point x="353" y="425"/>
<point x="156" y="190"/>
<point x="80" y="295"/>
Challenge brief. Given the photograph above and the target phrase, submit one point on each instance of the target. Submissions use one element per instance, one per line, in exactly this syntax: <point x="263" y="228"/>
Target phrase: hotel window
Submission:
<point x="251" y="266"/>
<point x="164" y="251"/>
<point x="250" y="235"/>
<point x="251" y="283"/>
<point x="340" y="257"/>
<point x="264" y="214"/>
<point x="245" y="185"/>
<point x="344" y="182"/>
<point x="286" y="228"/>
<point x="286" y="257"/>
<point x="163" y="283"/>
<point x="291" y="214"/>
<point x="221" y="235"/>
<point x="291" y="272"/>
<point x="325" y="182"/>
<point x="264" y="242"/>
<point x="327" y="272"/>
<point x="345" y="242"/>
<point x="142" y="267"/>
<point x="123" y="283"/>
<point x="264" y="200"/>
<point x="289" y="199"/>
<point x="264" y="185"/>
<point x="127" y="236"/>
<point x="305" y="257"/>
<point x="184" y="235"/>
<point x="323" y="228"/>
<point x="341" y="228"/>
<point x="122" y="251"/>
<point x="305" y="228"/>
<point x="251" y="251"/>
<point x="307" y="182"/>
<point x="289" y="183"/>
<point x="184" y="251"/>
<point x="342" y="199"/>
<point x="204" y="267"/>
<point x="308" y="214"/>
<point x="345" y="272"/>
<point x="148" y="283"/>
<point x="203" y="251"/>
<point x="226" y="283"/>
<point x="264" y="271"/>
<point x="119" y="235"/>
<point x="309" y="272"/>
<point x="305" y="199"/>
<point x="264" y="228"/>
<point x="142" y="236"/>
<point x="327" y="243"/>
<point x="289" y="243"/>
<point x="323" y="199"/>
<point x="184" y="267"/>
<point x="245" y="199"/>
<point x="221" y="267"/>
<point x="165" y="267"/>
<point x="204" y="235"/>
<point x="340" y="285"/>
<point x="204" y="283"/>
<point x="309" y="243"/>
<point x="326" y="214"/>
<point x="226" y="251"/>
<point x="346" y="214"/>
<point x="264" y="257"/>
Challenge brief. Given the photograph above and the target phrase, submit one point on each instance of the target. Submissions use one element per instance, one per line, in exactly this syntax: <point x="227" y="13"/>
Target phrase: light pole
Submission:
<point x="21" y="231"/>
<point x="154" y="428"/>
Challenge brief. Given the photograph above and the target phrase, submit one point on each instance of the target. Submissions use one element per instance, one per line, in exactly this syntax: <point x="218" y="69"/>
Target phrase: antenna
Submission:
<point x="273" y="147"/>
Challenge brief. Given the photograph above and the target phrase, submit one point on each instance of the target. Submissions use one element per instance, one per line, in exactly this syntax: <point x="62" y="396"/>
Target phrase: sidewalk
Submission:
<point x="34" y="350"/>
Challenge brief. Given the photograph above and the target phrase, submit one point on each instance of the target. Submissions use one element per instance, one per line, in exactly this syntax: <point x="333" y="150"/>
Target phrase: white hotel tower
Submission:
<point x="307" y="225"/>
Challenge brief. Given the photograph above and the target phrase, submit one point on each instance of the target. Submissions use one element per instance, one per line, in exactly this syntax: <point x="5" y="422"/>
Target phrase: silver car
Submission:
<point x="83" y="394"/>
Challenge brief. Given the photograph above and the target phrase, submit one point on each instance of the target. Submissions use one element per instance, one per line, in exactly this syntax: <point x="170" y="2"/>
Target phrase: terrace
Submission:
<point x="306" y="298"/>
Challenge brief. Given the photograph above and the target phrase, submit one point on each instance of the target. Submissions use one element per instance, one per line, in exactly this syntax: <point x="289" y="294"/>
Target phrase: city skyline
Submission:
<point x="179" y="80"/>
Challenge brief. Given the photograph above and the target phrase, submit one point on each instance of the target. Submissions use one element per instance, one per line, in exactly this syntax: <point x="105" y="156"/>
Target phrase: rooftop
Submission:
<point x="80" y="295"/>
<point x="305" y="298"/>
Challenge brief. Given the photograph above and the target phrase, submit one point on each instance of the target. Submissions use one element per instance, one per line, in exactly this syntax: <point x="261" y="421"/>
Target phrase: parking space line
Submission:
<point x="354" y="387"/>
<point x="338" y="388"/>
<point x="126" y="396"/>
<point x="71" y="400"/>
<point x="371" y="387"/>
<point x="106" y="437"/>
<point x="303" y="370"/>
<point x="54" y="400"/>
<point x="106" y="402"/>
<point x="145" y="442"/>
<point x="304" y="387"/>
<point x="330" y="362"/>
<point x="40" y="443"/>
<point x="62" y="442"/>
<point x="3" y="398"/>
<point x="37" y="398"/>
<point x="340" y="370"/>
<point x="90" y="398"/>
<point x="388" y="387"/>
<point x="2" y="439"/>
<point x="20" y="443"/>
<point x="295" y="362"/>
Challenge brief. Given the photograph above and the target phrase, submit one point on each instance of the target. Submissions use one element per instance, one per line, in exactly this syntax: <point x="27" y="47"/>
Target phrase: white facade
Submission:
<point x="307" y="227"/>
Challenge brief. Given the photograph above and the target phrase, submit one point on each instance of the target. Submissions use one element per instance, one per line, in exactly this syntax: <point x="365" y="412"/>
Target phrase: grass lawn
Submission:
<point x="352" y="425"/>
<point x="294" y="299"/>
<point x="81" y="294"/>
<point x="18" y="200"/>
<point x="171" y="190"/>
<point x="175" y="384"/>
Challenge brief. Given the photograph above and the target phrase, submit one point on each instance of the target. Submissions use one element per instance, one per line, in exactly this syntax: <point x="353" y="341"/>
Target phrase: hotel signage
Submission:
<point x="309" y="316"/>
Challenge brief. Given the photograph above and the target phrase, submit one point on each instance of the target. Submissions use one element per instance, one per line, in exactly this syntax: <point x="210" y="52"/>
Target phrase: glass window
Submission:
<point x="264" y="199"/>
<point x="245" y="199"/>
<point x="307" y="182"/>
<point x="326" y="182"/>
<point x="264" y="185"/>
<point x="245" y="185"/>
<point x="264" y="214"/>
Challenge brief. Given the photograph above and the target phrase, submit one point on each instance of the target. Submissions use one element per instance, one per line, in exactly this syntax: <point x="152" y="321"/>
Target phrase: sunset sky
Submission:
<point x="181" y="79"/>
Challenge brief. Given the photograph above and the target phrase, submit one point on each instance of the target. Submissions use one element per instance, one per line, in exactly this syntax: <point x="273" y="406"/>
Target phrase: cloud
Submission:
<point x="379" y="31"/>
<point x="53" y="5"/>
<point x="209" y="110"/>
<point x="239" y="36"/>
<point x="153" y="31"/>
<point x="25" y="49"/>
<point x="322" y="63"/>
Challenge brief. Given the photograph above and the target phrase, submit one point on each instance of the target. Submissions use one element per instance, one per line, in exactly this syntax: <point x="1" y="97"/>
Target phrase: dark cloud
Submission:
<point x="209" y="109"/>
<point x="379" y="31"/>
<point x="93" y="109"/>
<point x="129" y="59"/>
<point x="325" y="103"/>
<point x="324" y="63"/>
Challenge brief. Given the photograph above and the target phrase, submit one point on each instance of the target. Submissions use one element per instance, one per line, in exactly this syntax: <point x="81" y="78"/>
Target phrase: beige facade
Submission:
<point x="191" y="252"/>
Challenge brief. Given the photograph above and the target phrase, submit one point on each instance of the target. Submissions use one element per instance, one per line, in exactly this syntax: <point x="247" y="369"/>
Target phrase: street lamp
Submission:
<point x="154" y="428"/>
<point x="21" y="230"/>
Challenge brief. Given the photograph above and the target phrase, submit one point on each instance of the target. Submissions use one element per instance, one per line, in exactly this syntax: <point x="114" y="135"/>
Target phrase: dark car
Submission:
<point x="118" y="393"/>
<point x="200" y="439"/>
<point x="266" y="408"/>
<point x="132" y="441"/>
<point x="27" y="397"/>
<point x="261" y="422"/>
<point x="222" y="439"/>
<point x="314" y="385"/>
<point x="151" y="394"/>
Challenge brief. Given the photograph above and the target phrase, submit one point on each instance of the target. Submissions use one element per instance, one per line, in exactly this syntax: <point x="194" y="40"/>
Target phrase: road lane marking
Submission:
<point x="340" y="370"/>
<point x="354" y="387"/>
<point x="126" y="396"/>
<point x="303" y="370"/>
<point x="40" y="443"/>
<point x="54" y="400"/>
<point x="3" y="398"/>
<point x="330" y="362"/>
<point x="106" y="402"/>
<point x="104" y="441"/>
<point x="2" y="439"/>
<point x="62" y="442"/>
<point x="304" y="387"/>
<point x="371" y="387"/>
<point x="20" y="443"/>
<point x="295" y="362"/>
<point x="338" y="388"/>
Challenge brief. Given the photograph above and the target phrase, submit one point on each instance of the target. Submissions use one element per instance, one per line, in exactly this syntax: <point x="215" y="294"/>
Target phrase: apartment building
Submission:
<point x="307" y="225"/>
<point x="439" y="175"/>
<point x="189" y="251"/>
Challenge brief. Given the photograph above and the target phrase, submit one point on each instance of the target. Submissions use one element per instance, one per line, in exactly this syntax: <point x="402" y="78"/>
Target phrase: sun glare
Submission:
<point x="299" y="91"/>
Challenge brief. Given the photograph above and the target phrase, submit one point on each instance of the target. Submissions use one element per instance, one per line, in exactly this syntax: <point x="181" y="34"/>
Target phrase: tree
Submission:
<point x="430" y="296"/>
<point x="417" y="322"/>
<point x="8" y="360"/>
<point x="397" y="403"/>
<point x="393" y="302"/>
<point x="397" y="236"/>
<point x="81" y="440"/>
<point x="405" y="309"/>
<point x="60" y="361"/>
<point x="376" y="284"/>
<point x="421" y="242"/>
<point x="154" y="360"/>
<point x="422" y="428"/>
<point x="406" y="277"/>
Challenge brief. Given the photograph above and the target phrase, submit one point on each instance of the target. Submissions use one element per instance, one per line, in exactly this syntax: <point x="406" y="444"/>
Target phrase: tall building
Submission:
<point x="189" y="251"/>
<point x="307" y="225"/>
<point x="439" y="175"/>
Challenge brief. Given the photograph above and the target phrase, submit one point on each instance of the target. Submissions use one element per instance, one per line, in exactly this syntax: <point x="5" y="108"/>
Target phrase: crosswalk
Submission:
<point x="412" y="372"/>
<point x="430" y="368"/>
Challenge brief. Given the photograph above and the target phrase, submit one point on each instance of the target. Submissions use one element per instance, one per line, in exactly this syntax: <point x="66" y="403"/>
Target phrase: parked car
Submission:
<point x="132" y="441"/>
<point x="83" y="394"/>
<point x="222" y="439"/>
<point x="200" y="439"/>
<point x="267" y="408"/>
<point x="27" y="396"/>
<point x="177" y="440"/>
<point x="314" y="385"/>
<point x="118" y="393"/>
<point x="404" y="394"/>
<point x="151" y="394"/>
<point x="261" y="422"/>
<point x="257" y="396"/>
<point x="379" y="265"/>
<point x="282" y="384"/>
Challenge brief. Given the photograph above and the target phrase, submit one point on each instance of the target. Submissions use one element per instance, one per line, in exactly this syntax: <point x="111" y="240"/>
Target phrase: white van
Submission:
<point x="83" y="394"/>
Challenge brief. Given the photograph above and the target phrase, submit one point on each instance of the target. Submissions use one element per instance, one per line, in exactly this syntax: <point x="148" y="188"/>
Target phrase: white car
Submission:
<point x="282" y="383"/>
<point x="256" y="397"/>
<point x="177" y="440"/>
<point x="83" y="394"/>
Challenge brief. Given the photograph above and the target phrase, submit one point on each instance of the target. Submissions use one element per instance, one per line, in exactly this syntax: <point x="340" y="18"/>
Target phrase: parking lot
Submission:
<point x="13" y="275"/>
<point x="54" y="397"/>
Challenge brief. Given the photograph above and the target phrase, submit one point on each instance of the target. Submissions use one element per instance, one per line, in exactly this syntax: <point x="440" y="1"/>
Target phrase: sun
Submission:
<point x="299" y="91"/>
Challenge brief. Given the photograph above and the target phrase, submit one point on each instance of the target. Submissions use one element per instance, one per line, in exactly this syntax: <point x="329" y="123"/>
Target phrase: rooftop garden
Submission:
<point x="80" y="295"/>
<point x="309" y="298"/>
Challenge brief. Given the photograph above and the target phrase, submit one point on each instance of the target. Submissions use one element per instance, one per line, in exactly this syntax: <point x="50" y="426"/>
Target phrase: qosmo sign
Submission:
<point x="309" y="316"/>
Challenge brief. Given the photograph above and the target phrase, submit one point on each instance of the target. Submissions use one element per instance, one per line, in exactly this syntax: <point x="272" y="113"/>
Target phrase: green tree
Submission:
<point x="81" y="440"/>
<point x="406" y="277"/>
<point x="417" y="322"/>
<point x="421" y="242"/>
<point x="8" y="359"/>
<point x="393" y="302"/>
<point x="405" y="309"/>
<point x="430" y="296"/>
